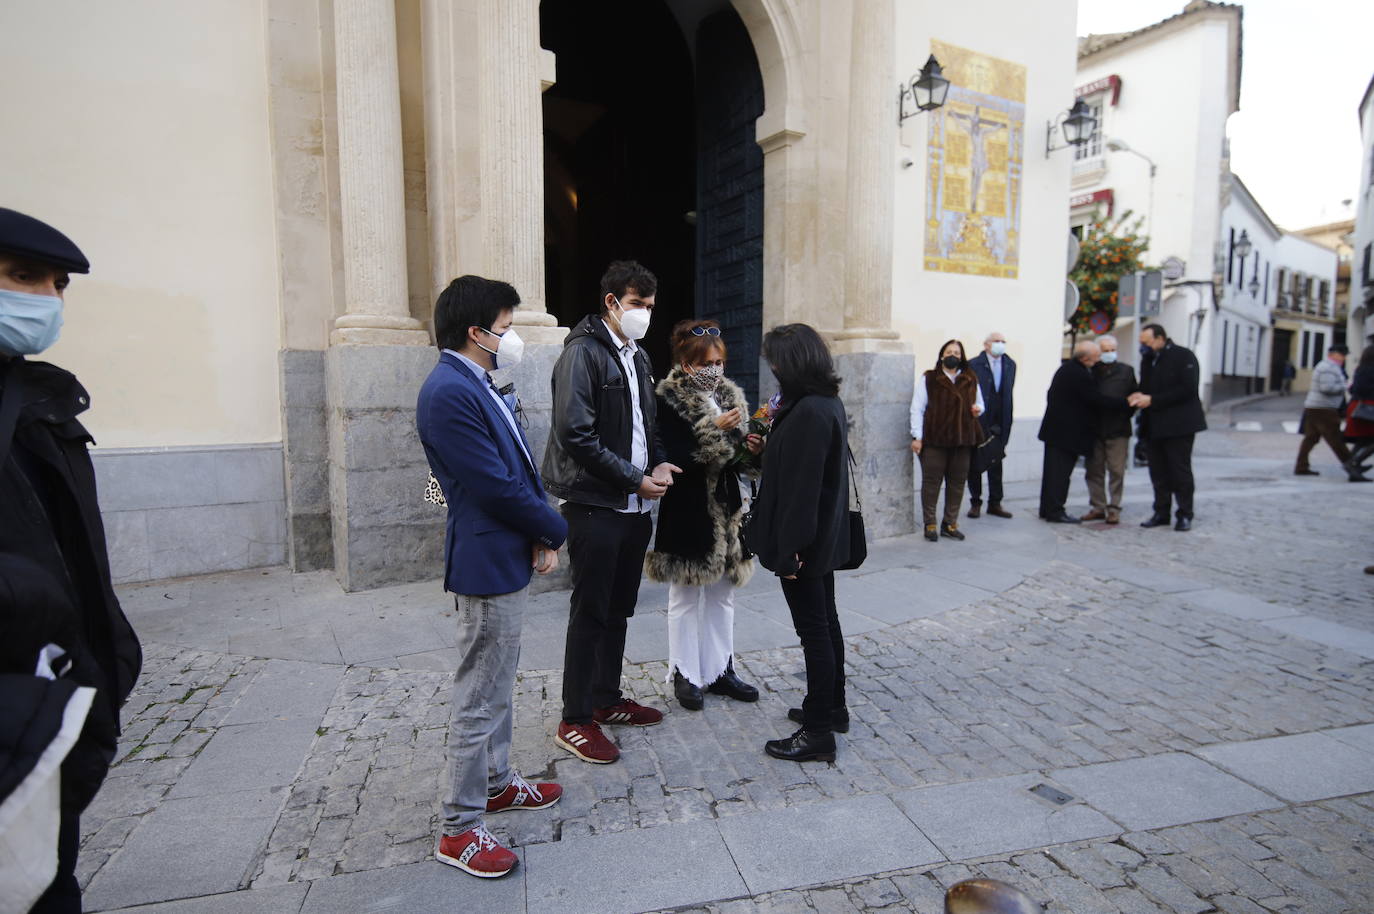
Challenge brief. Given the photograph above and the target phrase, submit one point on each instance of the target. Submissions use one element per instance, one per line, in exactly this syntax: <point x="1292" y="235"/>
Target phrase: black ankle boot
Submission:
<point x="839" y="718"/>
<point x="803" y="746"/>
<point x="731" y="686"/>
<point x="688" y="695"/>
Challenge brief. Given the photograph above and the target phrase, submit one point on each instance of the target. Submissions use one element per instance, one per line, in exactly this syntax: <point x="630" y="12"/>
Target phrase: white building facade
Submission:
<point x="1304" y="304"/>
<point x="1361" y="321"/>
<point x="1241" y="339"/>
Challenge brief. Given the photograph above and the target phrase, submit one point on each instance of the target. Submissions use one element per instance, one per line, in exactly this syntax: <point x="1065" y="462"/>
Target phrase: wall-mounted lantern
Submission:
<point x="1079" y="127"/>
<point x="927" y="90"/>
<point x="1243" y="247"/>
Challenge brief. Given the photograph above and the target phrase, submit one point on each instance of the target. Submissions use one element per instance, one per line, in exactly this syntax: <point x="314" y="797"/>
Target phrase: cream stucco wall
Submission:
<point x="145" y="139"/>
<point x="931" y="307"/>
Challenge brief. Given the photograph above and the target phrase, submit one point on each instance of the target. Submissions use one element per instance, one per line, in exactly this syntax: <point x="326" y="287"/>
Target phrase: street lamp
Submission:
<point x="1119" y="145"/>
<point x="1243" y="247"/>
<point x="927" y="89"/>
<point x="1254" y="287"/>
<point x="1078" y="123"/>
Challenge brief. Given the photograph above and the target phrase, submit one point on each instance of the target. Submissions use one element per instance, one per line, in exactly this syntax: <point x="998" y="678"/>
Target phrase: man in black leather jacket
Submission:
<point x="1169" y="379"/>
<point x="55" y="589"/>
<point x="605" y="461"/>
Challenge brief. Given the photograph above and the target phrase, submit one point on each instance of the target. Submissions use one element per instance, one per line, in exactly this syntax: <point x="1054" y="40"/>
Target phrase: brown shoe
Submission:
<point x="1113" y="515"/>
<point x="1094" y="514"/>
<point x="975" y="509"/>
<point x="996" y="510"/>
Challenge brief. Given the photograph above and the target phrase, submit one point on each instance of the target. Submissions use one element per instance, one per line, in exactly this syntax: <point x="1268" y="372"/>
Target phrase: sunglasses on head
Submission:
<point x="705" y="331"/>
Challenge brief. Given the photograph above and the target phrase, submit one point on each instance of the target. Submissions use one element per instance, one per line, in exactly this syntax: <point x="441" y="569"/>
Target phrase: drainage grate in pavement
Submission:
<point x="1046" y="792"/>
<point x="1247" y="479"/>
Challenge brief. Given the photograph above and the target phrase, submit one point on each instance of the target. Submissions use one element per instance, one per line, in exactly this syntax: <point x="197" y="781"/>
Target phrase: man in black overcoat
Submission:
<point x="1169" y="379"/>
<point x="58" y="609"/>
<point x="996" y="373"/>
<point x="1069" y="428"/>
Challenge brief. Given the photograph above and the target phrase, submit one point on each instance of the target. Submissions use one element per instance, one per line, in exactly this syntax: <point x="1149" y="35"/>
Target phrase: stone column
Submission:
<point x="875" y="363"/>
<point x="509" y="89"/>
<point x="383" y="531"/>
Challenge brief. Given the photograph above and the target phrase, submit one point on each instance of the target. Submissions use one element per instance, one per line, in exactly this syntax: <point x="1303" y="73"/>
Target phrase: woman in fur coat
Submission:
<point x="702" y="420"/>
<point x="944" y="432"/>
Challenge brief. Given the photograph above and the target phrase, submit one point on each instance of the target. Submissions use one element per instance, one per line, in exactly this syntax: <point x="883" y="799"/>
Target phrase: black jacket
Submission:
<point x="997" y="413"/>
<point x="587" y="460"/>
<point x="54" y="571"/>
<point x="803" y="503"/>
<point x="1071" y="409"/>
<point x="697" y="538"/>
<point x="1114" y="380"/>
<point x="1171" y="379"/>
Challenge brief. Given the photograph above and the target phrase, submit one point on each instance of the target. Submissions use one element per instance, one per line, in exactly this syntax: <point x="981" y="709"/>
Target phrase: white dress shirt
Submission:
<point x="484" y="378"/>
<point x="921" y="400"/>
<point x="639" y="441"/>
<point x="995" y="361"/>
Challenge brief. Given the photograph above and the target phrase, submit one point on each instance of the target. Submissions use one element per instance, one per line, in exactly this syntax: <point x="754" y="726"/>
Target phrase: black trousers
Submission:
<point x="606" y="555"/>
<point x="1171" y="474"/>
<point x="975" y="484"/>
<point x="812" y="602"/>
<point x="63" y="896"/>
<point x="1054" y="479"/>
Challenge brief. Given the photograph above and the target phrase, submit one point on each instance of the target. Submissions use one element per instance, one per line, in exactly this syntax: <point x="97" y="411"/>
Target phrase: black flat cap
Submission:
<point x="28" y="237"/>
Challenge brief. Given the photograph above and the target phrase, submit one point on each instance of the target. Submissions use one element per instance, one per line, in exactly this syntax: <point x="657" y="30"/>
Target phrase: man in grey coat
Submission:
<point x="1321" y="414"/>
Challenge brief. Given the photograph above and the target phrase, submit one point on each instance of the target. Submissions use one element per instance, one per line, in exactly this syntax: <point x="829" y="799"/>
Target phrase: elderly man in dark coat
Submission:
<point x="1169" y="378"/>
<point x="996" y="373"/>
<point x="1106" y="466"/>
<point x="58" y="611"/>
<point x="1069" y="428"/>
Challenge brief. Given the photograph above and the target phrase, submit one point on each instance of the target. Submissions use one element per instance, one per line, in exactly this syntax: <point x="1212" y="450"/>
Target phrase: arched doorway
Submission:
<point x="649" y="154"/>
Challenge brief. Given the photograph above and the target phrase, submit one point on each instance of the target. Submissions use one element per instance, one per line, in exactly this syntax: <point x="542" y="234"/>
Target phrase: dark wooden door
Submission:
<point x="729" y="285"/>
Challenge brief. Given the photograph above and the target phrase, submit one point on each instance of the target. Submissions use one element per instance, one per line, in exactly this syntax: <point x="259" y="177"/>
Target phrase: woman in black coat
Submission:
<point x="800" y="528"/>
<point x="701" y="417"/>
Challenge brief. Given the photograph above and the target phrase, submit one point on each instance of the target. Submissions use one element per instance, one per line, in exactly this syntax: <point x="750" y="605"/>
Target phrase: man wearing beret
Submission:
<point x="61" y="621"/>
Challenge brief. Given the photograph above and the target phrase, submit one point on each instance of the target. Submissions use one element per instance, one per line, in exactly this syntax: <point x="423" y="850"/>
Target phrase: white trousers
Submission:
<point x="701" y="630"/>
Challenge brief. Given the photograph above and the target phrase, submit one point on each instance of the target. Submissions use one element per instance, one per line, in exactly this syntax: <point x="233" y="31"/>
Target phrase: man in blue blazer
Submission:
<point x="500" y="530"/>
<point x="996" y="376"/>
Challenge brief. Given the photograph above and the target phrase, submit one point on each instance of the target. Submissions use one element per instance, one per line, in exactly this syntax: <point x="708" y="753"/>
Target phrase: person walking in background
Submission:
<point x="944" y="432"/>
<point x="1359" y="432"/>
<point x="500" y="529"/>
<point x="701" y="416"/>
<point x="800" y="527"/>
<point x="1321" y="414"/>
<point x="1108" y="460"/>
<point x="1290" y="371"/>
<point x="996" y="373"/>
<point x="1168" y="395"/>
<point x="605" y="459"/>
<point x="67" y="646"/>
<point x="1069" y="429"/>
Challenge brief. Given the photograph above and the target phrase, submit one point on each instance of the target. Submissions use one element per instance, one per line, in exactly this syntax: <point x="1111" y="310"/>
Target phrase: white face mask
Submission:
<point x="508" y="352"/>
<point x="634" y="324"/>
<point x="1109" y="357"/>
<point x="997" y="348"/>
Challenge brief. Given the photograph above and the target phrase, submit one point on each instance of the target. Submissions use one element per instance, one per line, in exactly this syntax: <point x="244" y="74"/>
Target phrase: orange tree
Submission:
<point x="1108" y="251"/>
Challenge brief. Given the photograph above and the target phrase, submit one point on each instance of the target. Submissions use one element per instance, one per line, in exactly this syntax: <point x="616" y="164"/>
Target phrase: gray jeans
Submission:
<point x="480" y="718"/>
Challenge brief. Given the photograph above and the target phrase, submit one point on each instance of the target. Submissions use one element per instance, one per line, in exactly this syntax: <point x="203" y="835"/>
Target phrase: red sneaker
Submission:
<point x="628" y="711"/>
<point x="587" y="742"/>
<point x="475" y="851"/>
<point x="521" y="794"/>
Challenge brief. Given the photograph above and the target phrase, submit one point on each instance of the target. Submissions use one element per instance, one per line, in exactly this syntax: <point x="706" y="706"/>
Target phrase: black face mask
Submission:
<point x="950" y="361"/>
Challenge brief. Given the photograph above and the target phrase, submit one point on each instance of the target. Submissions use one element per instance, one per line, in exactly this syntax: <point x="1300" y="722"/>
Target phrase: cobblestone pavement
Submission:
<point x="1074" y="666"/>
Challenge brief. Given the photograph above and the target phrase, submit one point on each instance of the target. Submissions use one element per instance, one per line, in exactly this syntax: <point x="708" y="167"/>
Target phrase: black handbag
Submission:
<point x="745" y="552"/>
<point x="1364" y="411"/>
<point x="858" y="540"/>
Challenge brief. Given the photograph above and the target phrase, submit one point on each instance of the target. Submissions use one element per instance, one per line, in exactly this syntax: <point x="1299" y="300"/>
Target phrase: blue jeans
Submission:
<point x="480" y="717"/>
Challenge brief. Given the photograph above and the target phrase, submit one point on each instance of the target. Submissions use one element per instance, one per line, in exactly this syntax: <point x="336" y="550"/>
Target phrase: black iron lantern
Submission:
<point x="1080" y="125"/>
<point x="927" y="89"/>
<point x="1254" y="287"/>
<point x="1243" y="247"/>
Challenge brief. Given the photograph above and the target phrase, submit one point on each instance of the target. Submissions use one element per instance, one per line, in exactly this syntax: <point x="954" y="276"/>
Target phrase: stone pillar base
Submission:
<point x="877" y="392"/>
<point x="384" y="532"/>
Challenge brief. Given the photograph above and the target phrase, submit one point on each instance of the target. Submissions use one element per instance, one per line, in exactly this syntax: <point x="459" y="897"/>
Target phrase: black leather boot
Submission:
<point x="803" y="746"/>
<point x="688" y="695"/>
<point x="731" y="686"/>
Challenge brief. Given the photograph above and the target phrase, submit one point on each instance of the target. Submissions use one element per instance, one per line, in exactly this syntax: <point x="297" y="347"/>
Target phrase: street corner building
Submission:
<point x="272" y="194"/>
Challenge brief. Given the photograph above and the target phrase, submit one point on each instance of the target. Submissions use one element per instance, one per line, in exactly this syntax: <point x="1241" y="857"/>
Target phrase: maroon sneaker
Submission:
<point x="587" y="742"/>
<point x="521" y="794"/>
<point x="628" y="711"/>
<point x="475" y="851"/>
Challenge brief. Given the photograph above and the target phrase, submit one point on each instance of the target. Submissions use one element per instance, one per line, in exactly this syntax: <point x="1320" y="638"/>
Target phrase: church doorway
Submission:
<point x="650" y="154"/>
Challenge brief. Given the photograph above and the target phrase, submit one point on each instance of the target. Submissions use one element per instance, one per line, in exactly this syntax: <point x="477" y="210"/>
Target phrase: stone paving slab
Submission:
<point x="983" y="573"/>
<point x="195" y="846"/>
<point x="665" y="867"/>
<point x="824" y="842"/>
<point x="996" y="816"/>
<point x="246" y="756"/>
<point x="1242" y="606"/>
<point x="419" y="888"/>
<point x="1162" y="790"/>
<point x="284" y="689"/>
<point x="1361" y="737"/>
<point x="1300" y="768"/>
<point x="1332" y="634"/>
<point x="278" y="899"/>
<point x="1154" y="579"/>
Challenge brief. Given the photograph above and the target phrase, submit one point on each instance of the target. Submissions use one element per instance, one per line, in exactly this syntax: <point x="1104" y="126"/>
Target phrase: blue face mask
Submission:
<point x="28" y="323"/>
